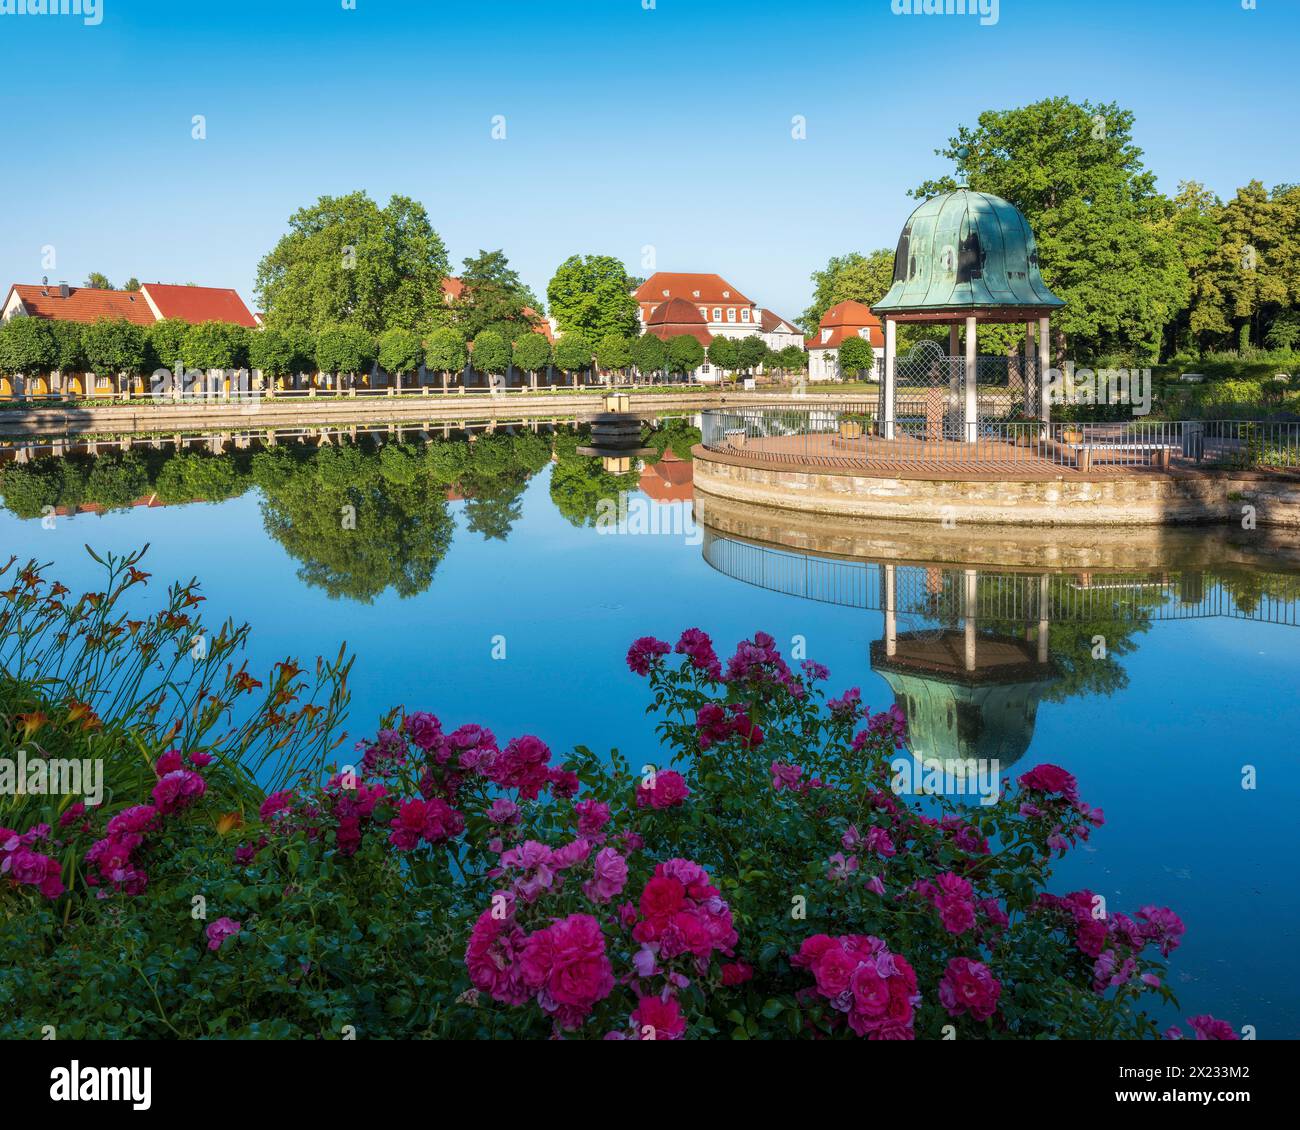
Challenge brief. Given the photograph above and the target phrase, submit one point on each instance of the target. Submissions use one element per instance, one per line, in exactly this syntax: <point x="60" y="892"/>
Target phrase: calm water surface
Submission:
<point x="1157" y="734"/>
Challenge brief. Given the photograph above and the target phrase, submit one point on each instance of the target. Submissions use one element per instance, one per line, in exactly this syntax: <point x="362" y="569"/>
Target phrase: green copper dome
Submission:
<point x="966" y="251"/>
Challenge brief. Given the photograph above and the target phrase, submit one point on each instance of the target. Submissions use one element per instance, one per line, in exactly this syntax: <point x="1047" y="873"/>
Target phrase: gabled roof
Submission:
<point x="83" y="304"/>
<point x="712" y="289"/>
<point x="198" y="304"/>
<point x="846" y="319"/>
<point x="772" y="323"/>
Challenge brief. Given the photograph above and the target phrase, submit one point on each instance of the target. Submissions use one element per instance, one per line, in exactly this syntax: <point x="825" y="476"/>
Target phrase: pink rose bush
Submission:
<point x="752" y="873"/>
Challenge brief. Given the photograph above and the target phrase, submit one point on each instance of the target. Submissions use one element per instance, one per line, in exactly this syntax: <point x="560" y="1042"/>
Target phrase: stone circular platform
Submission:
<point x="1026" y="491"/>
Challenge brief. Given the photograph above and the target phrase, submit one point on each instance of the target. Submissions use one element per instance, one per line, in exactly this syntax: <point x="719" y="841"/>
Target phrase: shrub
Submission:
<point x="771" y="879"/>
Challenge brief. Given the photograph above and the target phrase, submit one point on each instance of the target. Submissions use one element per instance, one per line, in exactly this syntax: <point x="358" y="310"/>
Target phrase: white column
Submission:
<point x="891" y="349"/>
<point x="1044" y="595"/>
<point x="972" y="410"/>
<point x="1044" y="338"/>
<point x="891" y="611"/>
<point x="972" y="594"/>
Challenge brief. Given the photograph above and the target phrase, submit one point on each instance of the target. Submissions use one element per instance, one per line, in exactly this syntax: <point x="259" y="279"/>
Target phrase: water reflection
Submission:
<point x="363" y="509"/>
<point x="970" y="650"/>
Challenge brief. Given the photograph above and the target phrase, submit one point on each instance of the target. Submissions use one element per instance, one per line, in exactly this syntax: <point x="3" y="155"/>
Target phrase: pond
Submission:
<point x="475" y="578"/>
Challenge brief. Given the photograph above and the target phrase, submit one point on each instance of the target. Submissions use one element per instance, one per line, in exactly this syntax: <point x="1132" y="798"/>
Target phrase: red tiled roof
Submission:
<point x="452" y="288"/>
<point x="669" y="480"/>
<point x="199" y="304"/>
<point x="845" y="319"/>
<point x="675" y="317"/>
<point x="83" y="304"/>
<point x="679" y="285"/>
<point x="770" y="321"/>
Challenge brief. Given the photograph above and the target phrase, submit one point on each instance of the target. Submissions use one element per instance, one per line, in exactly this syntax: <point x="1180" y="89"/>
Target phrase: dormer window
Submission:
<point x="665" y="294"/>
<point x="695" y="294"/>
<point x="826" y="336"/>
<point x="704" y="313"/>
<point x="726" y="294"/>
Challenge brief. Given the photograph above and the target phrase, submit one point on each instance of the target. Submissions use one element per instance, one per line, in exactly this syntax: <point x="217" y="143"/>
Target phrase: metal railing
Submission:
<point x="851" y="435"/>
<point x="939" y="594"/>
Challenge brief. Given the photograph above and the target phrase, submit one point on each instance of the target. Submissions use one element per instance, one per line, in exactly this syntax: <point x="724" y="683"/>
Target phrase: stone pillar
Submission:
<point x="891" y="611"/>
<point x="1044" y="343"/>
<point x="971" y="413"/>
<point x="891" y="350"/>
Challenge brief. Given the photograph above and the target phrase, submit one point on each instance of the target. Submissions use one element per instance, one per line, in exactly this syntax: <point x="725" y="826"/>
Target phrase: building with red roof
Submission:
<point x="675" y="317"/>
<point x="151" y="303"/>
<point x="63" y="303"/>
<point x="722" y="308"/>
<point x="198" y="304"/>
<point x="453" y="288"/>
<point x="844" y="319"/>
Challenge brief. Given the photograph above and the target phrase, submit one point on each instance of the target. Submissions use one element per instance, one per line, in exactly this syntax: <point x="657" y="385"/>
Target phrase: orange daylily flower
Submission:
<point x="81" y="712"/>
<point x="136" y="575"/>
<point x="228" y="821"/>
<point x="30" y="723"/>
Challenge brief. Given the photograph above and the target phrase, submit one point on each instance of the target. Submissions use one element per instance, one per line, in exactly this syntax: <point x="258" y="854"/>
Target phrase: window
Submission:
<point x="826" y="336"/>
<point x="726" y="294"/>
<point x="717" y="313"/>
<point x="704" y="313"/>
<point x="744" y="315"/>
<point x="731" y="313"/>
<point x="694" y="293"/>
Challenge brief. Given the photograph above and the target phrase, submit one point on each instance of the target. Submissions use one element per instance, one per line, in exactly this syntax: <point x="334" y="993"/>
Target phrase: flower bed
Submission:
<point x="765" y="881"/>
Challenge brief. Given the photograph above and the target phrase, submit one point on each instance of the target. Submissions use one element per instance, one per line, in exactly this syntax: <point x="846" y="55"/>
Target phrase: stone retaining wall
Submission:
<point x="1143" y="498"/>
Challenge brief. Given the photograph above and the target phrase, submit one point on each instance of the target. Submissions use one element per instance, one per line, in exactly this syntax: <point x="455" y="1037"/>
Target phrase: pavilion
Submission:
<point x="965" y="258"/>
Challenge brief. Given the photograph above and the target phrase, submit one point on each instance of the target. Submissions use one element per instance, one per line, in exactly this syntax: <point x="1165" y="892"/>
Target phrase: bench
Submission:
<point x="1159" y="452"/>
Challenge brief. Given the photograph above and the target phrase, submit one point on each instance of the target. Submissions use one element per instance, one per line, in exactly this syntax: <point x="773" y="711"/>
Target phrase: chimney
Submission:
<point x="64" y="291"/>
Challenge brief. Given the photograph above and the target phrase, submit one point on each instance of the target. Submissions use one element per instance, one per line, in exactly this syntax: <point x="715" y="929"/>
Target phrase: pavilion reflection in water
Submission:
<point x="969" y="652"/>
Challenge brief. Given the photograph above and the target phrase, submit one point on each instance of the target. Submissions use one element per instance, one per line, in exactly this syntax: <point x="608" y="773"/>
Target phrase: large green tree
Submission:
<point x="532" y="353"/>
<point x="1105" y="235"/>
<point x="685" y="354"/>
<point x="573" y="352"/>
<point x="649" y="354"/>
<point x="593" y="293"/>
<point x="491" y="353"/>
<point x="345" y="349"/>
<point x="400" y="351"/>
<point x="113" y="346"/>
<point x="27" y="346"/>
<point x="445" y="351"/>
<point x="855" y="277"/>
<point x="345" y="260"/>
<point x="494" y="297"/>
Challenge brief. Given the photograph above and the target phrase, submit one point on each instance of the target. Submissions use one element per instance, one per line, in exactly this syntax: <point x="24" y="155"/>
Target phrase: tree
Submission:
<point x="345" y="349"/>
<point x="1284" y="333"/>
<point x="97" y="281"/>
<point x="613" y="351"/>
<point x="113" y="346"/>
<point x="216" y="345"/>
<point x="491" y="353"/>
<point x="400" y="351"/>
<point x="1252" y="271"/>
<point x="532" y="353"/>
<point x="167" y="344"/>
<point x="272" y="352"/>
<point x="685" y="354"/>
<point x="591" y="293"/>
<point x="1105" y="235"/>
<point x="649" y="354"/>
<point x="27" y="346"/>
<point x="751" y="352"/>
<point x="346" y="261"/>
<point x="573" y="352"/>
<point x="131" y="284"/>
<point x="493" y="293"/>
<point x="1195" y="225"/>
<point x="71" y="355"/>
<point x="724" y="354"/>
<point x="856" y="356"/>
<point x="445" y="352"/>
<point x="792" y="359"/>
<point x="856" y="277"/>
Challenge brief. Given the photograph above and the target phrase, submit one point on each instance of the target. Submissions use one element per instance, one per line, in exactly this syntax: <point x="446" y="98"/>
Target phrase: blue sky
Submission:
<point x="625" y="127"/>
